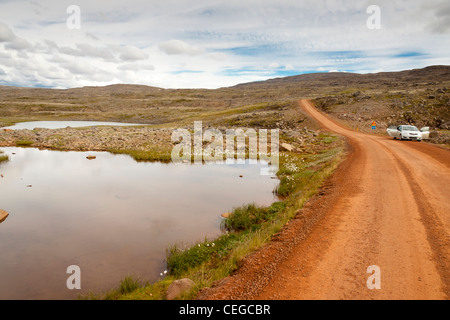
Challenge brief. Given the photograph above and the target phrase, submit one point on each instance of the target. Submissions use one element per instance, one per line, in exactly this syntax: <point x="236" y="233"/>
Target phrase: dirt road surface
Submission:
<point x="387" y="205"/>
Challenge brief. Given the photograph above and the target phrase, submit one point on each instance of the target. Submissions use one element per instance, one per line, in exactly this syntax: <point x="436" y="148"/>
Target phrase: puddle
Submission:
<point x="111" y="216"/>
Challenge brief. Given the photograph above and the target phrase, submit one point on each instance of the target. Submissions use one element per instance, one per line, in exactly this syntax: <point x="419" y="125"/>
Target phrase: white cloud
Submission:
<point x="136" y="67"/>
<point x="209" y="44"/>
<point x="19" y="44"/>
<point x="289" y="67"/>
<point x="12" y="41"/>
<point x="5" y="33"/>
<point x="173" y="47"/>
<point x="130" y="53"/>
<point x="274" y="65"/>
<point x="218" y="56"/>
<point x="91" y="51"/>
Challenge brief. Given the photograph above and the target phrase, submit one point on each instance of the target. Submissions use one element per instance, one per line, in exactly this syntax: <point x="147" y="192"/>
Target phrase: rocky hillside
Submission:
<point x="409" y="101"/>
<point x="420" y="97"/>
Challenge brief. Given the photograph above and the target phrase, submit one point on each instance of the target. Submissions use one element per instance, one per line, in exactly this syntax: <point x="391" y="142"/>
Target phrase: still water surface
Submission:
<point x="111" y="216"/>
<point x="31" y="125"/>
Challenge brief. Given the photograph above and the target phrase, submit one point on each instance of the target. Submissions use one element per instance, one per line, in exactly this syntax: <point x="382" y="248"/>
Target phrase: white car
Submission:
<point x="408" y="132"/>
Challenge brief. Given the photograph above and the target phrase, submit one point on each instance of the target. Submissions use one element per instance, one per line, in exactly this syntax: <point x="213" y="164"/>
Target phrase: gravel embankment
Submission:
<point x="89" y="139"/>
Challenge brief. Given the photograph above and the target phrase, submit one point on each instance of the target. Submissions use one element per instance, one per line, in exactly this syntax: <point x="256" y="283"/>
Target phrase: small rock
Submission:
<point x="287" y="147"/>
<point x="177" y="287"/>
<point x="91" y="157"/>
<point x="226" y="215"/>
<point x="3" y="215"/>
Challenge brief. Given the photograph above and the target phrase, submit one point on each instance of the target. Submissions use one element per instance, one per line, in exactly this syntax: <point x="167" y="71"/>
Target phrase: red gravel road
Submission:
<point x="387" y="205"/>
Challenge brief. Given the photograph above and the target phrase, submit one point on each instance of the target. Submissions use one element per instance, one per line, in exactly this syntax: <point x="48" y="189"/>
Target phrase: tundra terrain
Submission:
<point x="386" y="205"/>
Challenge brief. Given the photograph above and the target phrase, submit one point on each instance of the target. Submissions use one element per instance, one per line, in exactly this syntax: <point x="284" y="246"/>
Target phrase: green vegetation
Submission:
<point x="24" y="143"/>
<point x="419" y="96"/>
<point x="245" y="230"/>
<point x="251" y="216"/>
<point x="181" y="258"/>
<point x="297" y="170"/>
<point x="126" y="286"/>
<point x="3" y="158"/>
<point x="153" y="154"/>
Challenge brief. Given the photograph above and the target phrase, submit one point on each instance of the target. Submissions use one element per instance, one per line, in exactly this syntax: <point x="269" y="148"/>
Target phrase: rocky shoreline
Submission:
<point x="138" y="139"/>
<point x="89" y="139"/>
<point x="123" y="138"/>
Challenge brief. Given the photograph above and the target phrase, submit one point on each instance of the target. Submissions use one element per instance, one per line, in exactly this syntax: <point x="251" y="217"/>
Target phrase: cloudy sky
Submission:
<point x="211" y="44"/>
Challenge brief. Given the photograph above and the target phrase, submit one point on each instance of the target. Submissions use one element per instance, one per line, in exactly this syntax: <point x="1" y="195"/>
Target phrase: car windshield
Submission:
<point x="410" y="128"/>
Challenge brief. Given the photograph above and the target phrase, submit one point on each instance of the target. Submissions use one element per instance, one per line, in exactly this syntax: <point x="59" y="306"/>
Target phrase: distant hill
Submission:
<point x="321" y="79"/>
<point x="431" y="73"/>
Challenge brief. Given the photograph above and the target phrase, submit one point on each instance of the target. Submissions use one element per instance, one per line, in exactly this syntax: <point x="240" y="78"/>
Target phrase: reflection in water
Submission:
<point x="31" y="125"/>
<point x="111" y="216"/>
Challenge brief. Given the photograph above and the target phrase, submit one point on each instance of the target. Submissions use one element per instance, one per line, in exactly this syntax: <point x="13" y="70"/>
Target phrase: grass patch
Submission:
<point x="163" y="155"/>
<point x="251" y="217"/>
<point x="181" y="258"/>
<point x="298" y="170"/>
<point x="127" y="286"/>
<point x="153" y="291"/>
<point x="327" y="139"/>
<point x="3" y="158"/>
<point x="24" y="143"/>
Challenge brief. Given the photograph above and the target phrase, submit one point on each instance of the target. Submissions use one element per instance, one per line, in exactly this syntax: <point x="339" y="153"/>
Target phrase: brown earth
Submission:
<point x="386" y="205"/>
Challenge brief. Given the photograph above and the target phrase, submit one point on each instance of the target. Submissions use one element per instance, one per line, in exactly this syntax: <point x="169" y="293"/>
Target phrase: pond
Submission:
<point x="111" y="216"/>
<point x="64" y="124"/>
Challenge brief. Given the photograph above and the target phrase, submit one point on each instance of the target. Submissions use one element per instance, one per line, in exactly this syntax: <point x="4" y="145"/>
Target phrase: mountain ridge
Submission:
<point x="429" y="73"/>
